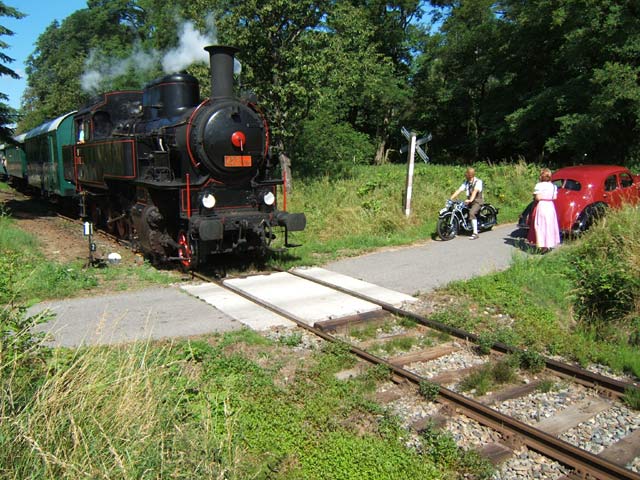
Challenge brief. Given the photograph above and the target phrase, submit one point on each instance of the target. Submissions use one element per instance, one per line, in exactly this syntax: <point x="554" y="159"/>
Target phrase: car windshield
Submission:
<point x="568" y="184"/>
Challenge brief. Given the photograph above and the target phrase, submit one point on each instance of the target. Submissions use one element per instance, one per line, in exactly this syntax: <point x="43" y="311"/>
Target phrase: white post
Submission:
<point x="412" y="156"/>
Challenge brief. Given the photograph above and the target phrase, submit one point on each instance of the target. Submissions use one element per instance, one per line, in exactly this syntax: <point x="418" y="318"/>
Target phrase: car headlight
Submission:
<point x="269" y="198"/>
<point x="208" y="201"/>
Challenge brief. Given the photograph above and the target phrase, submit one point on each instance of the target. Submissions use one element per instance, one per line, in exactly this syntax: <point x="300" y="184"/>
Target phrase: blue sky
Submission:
<point x="26" y="31"/>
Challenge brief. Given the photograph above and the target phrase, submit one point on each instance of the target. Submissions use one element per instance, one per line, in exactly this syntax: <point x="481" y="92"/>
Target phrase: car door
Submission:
<point x="630" y="192"/>
<point x="618" y="189"/>
<point x="611" y="193"/>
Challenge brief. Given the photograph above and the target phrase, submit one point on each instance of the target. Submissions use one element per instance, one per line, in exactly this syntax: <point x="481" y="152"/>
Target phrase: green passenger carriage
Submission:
<point x="16" y="161"/>
<point x="43" y="149"/>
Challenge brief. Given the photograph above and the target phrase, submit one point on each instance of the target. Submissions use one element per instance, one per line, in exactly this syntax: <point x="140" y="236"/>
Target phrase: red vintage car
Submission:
<point x="585" y="192"/>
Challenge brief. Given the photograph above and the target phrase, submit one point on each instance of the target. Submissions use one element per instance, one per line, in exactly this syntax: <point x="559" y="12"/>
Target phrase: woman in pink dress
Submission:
<point x="543" y="221"/>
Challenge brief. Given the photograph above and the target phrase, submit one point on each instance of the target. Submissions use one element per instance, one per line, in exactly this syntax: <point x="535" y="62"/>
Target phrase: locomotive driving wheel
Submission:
<point x="95" y="214"/>
<point x="186" y="251"/>
<point x="111" y="224"/>
<point x="118" y="223"/>
<point x="123" y="228"/>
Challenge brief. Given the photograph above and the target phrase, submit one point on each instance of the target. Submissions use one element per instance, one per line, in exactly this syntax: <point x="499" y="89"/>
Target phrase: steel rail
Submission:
<point x="615" y="387"/>
<point x="581" y="461"/>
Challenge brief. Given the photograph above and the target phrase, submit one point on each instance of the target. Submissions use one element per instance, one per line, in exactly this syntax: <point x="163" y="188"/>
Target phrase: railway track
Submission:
<point x="543" y="437"/>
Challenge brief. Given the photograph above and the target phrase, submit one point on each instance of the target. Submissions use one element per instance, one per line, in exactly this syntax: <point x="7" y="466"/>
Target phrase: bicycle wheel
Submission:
<point x="448" y="226"/>
<point x="488" y="217"/>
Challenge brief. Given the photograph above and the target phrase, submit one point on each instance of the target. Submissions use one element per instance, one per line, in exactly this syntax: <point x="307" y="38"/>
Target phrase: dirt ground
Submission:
<point x="62" y="239"/>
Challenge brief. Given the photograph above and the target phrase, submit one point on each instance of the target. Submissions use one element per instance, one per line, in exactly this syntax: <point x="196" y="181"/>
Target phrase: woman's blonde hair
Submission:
<point x="545" y="174"/>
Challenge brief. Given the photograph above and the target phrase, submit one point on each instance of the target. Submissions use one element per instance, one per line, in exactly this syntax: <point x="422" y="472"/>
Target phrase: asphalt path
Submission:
<point x="150" y="314"/>
<point x="169" y="312"/>
<point x="419" y="269"/>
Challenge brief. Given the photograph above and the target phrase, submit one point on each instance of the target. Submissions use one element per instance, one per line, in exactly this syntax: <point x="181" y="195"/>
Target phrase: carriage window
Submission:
<point x="572" y="185"/>
<point x="610" y="183"/>
<point x="625" y="180"/>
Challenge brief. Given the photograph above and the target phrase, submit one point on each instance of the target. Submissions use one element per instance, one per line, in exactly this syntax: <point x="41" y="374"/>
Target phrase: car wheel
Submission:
<point x="523" y="220"/>
<point x="590" y="215"/>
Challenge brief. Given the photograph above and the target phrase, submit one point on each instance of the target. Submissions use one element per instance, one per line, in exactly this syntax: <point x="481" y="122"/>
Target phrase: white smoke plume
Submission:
<point x="99" y="70"/>
<point x="190" y="49"/>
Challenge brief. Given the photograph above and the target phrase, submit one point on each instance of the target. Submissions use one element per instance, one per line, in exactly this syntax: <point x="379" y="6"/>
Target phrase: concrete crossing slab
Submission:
<point x="377" y="292"/>
<point x="237" y="307"/>
<point x="307" y="300"/>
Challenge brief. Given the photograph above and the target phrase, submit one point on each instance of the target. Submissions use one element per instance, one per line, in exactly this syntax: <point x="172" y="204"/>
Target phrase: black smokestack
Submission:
<point x="221" y="61"/>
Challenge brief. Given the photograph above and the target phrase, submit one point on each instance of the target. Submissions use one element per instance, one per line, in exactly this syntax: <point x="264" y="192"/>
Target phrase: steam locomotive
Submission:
<point x="180" y="178"/>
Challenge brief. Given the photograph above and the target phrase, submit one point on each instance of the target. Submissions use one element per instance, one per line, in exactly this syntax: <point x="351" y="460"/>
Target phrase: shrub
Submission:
<point x="429" y="390"/>
<point x="632" y="397"/>
<point x="532" y="361"/>
<point x="605" y="268"/>
<point x="440" y="447"/>
<point x="486" y="340"/>
<point x="21" y="352"/>
<point x="328" y="147"/>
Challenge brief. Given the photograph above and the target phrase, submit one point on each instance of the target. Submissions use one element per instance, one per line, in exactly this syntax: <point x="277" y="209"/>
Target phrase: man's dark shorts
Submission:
<point x="474" y="208"/>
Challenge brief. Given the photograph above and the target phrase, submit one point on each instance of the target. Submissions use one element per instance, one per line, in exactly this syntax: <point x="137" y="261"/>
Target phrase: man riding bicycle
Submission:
<point x="473" y="187"/>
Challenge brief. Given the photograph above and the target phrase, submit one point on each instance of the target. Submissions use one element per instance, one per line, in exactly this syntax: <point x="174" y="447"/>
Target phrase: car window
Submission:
<point x="572" y="185"/>
<point x="625" y="180"/>
<point x="610" y="183"/>
<point x="558" y="183"/>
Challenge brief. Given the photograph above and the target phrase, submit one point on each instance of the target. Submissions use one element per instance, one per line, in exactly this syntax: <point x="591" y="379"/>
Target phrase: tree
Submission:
<point x="359" y="93"/>
<point x="277" y="50"/>
<point x="7" y="114"/>
<point x="323" y="61"/>
<point x="457" y="80"/>
<point x="56" y="66"/>
<point x="582" y="82"/>
<point x="554" y="81"/>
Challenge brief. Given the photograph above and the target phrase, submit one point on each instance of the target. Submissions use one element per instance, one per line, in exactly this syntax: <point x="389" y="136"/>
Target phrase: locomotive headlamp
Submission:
<point x="208" y="201"/>
<point x="269" y="198"/>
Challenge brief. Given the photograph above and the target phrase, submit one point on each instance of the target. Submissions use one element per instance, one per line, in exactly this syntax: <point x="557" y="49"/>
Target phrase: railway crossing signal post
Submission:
<point x="415" y="146"/>
<point x="87" y="227"/>
<point x="88" y="232"/>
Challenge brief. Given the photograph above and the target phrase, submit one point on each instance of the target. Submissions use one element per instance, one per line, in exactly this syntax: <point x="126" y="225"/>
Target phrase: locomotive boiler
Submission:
<point x="182" y="179"/>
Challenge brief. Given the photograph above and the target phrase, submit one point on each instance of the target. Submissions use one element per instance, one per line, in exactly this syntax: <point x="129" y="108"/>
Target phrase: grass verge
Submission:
<point x="221" y="408"/>
<point x="26" y="277"/>
<point x="580" y="301"/>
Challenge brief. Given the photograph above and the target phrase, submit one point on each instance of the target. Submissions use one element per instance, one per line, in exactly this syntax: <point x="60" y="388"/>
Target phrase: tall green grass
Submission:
<point x="204" y="410"/>
<point x="27" y="276"/>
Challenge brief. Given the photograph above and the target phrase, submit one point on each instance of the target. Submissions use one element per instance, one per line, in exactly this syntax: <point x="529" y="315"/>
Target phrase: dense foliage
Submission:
<point x="551" y="81"/>
<point x="544" y="79"/>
